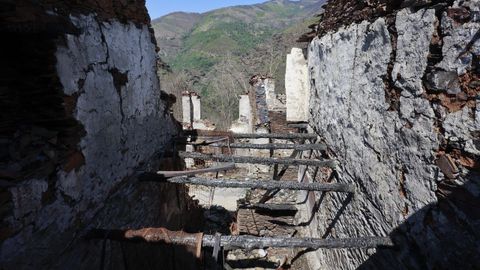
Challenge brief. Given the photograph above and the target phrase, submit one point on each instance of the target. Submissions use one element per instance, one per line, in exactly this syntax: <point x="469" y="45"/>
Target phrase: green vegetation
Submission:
<point x="283" y="10"/>
<point x="218" y="53"/>
<point x="193" y="60"/>
<point x="222" y="36"/>
<point x="202" y="48"/>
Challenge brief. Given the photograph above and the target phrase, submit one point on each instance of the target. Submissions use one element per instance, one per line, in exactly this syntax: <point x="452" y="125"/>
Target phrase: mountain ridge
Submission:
<point x="215" y="53"/>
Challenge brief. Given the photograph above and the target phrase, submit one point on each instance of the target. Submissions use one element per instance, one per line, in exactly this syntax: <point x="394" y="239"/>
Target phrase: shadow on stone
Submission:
<point x="443" y="235"/>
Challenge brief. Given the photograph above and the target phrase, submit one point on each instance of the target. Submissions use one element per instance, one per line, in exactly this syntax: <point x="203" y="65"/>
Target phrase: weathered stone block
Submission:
<point x="297" y="86"/>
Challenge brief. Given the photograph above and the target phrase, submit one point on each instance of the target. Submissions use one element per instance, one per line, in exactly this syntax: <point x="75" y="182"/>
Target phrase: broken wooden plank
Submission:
<point x="447" y="166"/>
<point x="274" y="146"/>
<point x="161" y="235"/>
<point x="260" y="160"/>
<point x="259" y="184"/>
<point x="169" y="174"/>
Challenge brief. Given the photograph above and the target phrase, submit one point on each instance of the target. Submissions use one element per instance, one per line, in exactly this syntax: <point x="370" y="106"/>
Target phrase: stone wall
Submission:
<point x="391" y="96"/>
<point x="83" y="114"/>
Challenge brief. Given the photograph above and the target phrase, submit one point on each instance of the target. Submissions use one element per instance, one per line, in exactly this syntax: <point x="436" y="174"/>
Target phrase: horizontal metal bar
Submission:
<point x="260" y="184"/>
<point x="161" y="235"/>
<point x="169" y="174"/>
<point x="274" y="146"/>
<point x="207" y="133"/>
<point x="200" y="141"/>
<point x="297" y="125"/>
<point x="260" y="160"/>
<point x="252" y="242"/>
<point x="271" y="207"/>
<point x="285" y="136"/>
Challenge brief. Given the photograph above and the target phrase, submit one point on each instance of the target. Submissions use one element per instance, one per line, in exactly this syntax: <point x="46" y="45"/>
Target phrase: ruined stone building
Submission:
<point x="81" y="113"/>
<point x="395" y="94"/>
<point x="391" y="88"/>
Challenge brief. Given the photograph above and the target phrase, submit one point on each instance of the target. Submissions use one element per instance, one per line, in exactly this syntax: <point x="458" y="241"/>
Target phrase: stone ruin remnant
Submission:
<point x="265" y="99"/>
<point x="192" y="112"/>
<point x="395" y="96"/>
<point x="244" y="124"/>
<point x="191" y="107"/>
<point x="257" y="109"/>
<point x="81" y="112"/>
<point x="297" y="87"/>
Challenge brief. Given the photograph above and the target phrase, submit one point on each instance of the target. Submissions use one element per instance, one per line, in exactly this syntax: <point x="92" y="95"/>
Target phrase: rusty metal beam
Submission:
<point x="200" y="141"/>
<point x="161" y="235"/>
<point x="259" y="160"/>
<point x="169" y="174"/>
<point x="271" y="207"/>
<point x="253" y="242"/>
<point x="274" y="146"/>
<point x="284" y="136"/>
<point x="298" y="125"/>
<point x="258" y="184"/>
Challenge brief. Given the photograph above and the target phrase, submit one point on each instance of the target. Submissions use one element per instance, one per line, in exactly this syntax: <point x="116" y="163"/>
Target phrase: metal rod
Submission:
<point x="252" y="242"/>
<point x="256" y="184"/>
<point x="271" y="193"/>
<point x="271" y="207"/>
<point x="199" y="141"/>
<point x="297" y="125"/>
<point x="300" y="147"/>
<point x="152" y="235"/>
<point x="285" y="136"/>
<point x="160" y="235"/>
<point x="220" y="168"/>
<point x="208" y="133"/>
<point x="259" y="160"/>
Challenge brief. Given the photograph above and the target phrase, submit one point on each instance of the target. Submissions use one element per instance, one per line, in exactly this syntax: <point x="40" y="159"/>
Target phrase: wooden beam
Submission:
<point x="259" y="184"/>
<point x="260" y="160"/>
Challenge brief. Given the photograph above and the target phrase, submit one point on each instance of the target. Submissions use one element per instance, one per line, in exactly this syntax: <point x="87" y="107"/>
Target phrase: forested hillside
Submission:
<point x="215" y="53"/>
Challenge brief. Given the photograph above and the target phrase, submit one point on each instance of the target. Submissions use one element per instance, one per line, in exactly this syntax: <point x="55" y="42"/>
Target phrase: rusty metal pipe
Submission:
<point x="162" y="235"/>
<point x="259" y="160"/>
<point x="258" y="184"/>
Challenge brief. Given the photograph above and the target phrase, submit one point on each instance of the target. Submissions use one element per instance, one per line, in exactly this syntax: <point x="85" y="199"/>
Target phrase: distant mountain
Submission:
<point x="171" y="29"/>
<point x="215" y="53"/>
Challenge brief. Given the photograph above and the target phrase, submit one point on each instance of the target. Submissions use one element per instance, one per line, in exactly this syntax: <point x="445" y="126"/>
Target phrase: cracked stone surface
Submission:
<point x="411" y="61"/>
<point x="390" y="155"/>
<point x="456" y="38"/>
<point x="126" y="125"/>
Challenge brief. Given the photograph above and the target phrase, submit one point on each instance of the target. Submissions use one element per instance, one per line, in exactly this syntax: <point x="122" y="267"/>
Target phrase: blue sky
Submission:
<point x="158" y="8"/>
